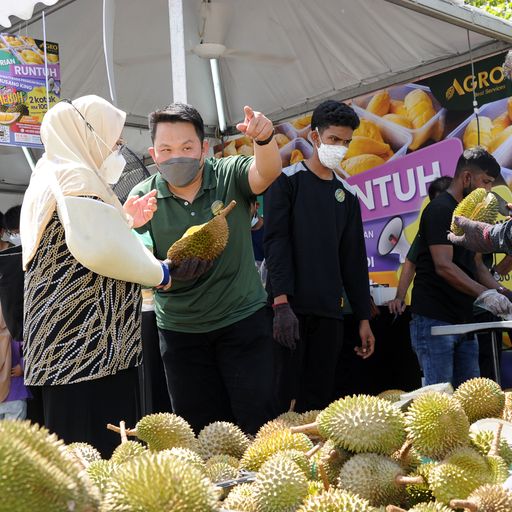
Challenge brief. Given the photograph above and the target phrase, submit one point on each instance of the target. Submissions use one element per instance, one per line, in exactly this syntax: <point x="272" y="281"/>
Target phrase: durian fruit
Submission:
<point x="281" y="139"/>
<point x="220" y="472"/>
<point x="291" y="418"/>
<point x="498" y="139"/>
<point x="336" y="500"/>
<point x="315" y="488"/>
<point x="459" y="474"/>
<point x="362" y="423"/>
<point x="361" y="145"/>
<point x="369" y="129"/>
<point x="420" y="492"/>
<point x="399" y="119"/>
<point x="126" y="451"/>
<point x="480" y="397"/>
<point x="3" y="108"/>
<point x="391" y="395"/>
<point x="163" y="431"/>
<point x="436" y="424"/>
<point x="482" y="442"/>
<point x="487" y="498"/>
<point x="189" y="457"/>
<point x="331" y="459"/>
<point x="499" y="124"/>
<point x="397" y="107"/>
<point x="21" y="108"/>
<point x="280" y="485"/>
<point x="246" y="150"/>
<point x="408" y="458"/>
<point x="507" y="409"/>
<point x="227" y="459"/>
<point x="38" y="473"/>
<point x="361" y="163"/>
<point x="241" y="498"/>
<point x="205" y="241"/>
<point x="308" y="417"/>
<point x="419" y="107"/>
<point x="302" y="122"/>
<point x="99" y="473"/>
<point x="84" y="452"/>
<point x="509" y="108"/>
<point x="482" y="206"/>
<point x="430" y="506"/>
<point x="264" y="447"/>
<point x="221" y="438"/>
<point x="300" y="458"/>
<point x="498" y="468"/>
<point x="470" y="138"/>
<point x="296" y="156"/>
<point x="374" y="478"/>
<point x="271" y="427"/>
<point x="379" y="104"/>
<point x="156" y="482"/>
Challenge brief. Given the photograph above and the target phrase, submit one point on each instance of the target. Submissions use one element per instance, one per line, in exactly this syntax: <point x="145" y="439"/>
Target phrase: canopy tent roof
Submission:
<point x="283" y="57"/>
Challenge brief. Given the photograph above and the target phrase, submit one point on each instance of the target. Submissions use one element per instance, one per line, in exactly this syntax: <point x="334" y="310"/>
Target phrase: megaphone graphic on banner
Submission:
<point x="392" y="241"/>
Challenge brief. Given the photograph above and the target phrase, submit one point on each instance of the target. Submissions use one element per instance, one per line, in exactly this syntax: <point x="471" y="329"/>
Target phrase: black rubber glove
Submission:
<point x="286" y="326"/>
<point x="188" y="269"/>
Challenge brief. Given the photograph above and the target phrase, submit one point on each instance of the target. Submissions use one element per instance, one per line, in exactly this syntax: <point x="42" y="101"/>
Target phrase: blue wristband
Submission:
<point x="167" y="274"/>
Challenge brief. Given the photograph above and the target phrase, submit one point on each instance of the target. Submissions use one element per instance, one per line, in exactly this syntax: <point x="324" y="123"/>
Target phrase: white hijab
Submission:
<point x="75" y="153"/>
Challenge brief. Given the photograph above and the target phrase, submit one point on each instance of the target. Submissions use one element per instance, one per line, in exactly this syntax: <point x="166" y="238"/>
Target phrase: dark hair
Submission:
<point x="176" y="113"/>
<point x="477" y="160"/>
<point x="12" y="218"/>
<point x="333" y="113"/>
<point x="439" y="185"/>
<point x="1" y="221"/>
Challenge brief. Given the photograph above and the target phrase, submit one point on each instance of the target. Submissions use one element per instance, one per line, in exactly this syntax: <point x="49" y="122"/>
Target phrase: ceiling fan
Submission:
<point x="215" y="18"/>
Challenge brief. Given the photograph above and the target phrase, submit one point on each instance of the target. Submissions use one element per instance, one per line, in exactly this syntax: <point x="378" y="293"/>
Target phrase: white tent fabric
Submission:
<point x="22" y="9"/>
<point x="329" y="49"/>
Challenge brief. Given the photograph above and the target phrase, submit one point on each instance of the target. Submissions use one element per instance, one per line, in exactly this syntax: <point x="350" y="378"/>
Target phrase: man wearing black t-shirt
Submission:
<point x="449" y="278"/>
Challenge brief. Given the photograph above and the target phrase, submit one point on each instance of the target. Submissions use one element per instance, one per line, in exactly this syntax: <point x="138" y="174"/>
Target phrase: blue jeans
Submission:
<point x="452" y="358"/>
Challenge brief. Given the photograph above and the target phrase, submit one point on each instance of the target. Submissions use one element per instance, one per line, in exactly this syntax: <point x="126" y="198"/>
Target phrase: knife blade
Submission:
<point x="503" y="208"/>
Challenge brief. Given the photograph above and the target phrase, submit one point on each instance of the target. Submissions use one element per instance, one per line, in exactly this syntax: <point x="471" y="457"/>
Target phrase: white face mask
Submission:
<point x="254" y="221"/>
<point x="330" y="155"/>
<point x="112" y="167"/>
<point x="15" y="239"/>
<point x="6" y="237"/>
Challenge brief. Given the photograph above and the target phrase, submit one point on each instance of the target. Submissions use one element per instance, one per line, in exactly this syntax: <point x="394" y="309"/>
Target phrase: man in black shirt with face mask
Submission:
<point x="449" y="279"/>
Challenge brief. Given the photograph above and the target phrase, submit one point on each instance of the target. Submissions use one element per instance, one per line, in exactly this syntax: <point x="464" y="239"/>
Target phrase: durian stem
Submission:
<point x="404" y="451"/>
<point x="115" y="428"/>
<point x="228" y="209"/>
<point x="292" y="405"/>
<point x="124" y="436"/>
<point x="409" y="480"/>
<point x="472" y="507"/>
<point x="314" y="450"/>
<point x="495" y="447"/>
<point x="323" y="474"/>
<point x="394" y="508"/>
<point x="309" y="428"/>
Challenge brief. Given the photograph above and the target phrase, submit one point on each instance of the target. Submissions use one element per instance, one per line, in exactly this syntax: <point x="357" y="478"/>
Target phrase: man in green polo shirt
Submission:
<point x="215" y="337"/>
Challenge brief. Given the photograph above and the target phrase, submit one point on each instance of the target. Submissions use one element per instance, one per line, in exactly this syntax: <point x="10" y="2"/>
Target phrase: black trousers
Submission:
<point x="80" y="412"/>
<point x="222" y="375"/>
<point x="307" y="374"/>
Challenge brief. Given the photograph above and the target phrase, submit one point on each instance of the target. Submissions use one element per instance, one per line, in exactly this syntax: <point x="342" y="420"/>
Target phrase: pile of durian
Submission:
<point x="361" y="454"/>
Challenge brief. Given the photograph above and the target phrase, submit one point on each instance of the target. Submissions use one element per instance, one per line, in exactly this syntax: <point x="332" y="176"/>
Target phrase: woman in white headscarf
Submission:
<point x="82" y="301"/>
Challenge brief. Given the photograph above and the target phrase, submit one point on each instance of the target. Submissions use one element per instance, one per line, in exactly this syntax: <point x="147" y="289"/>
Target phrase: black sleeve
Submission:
<point x="436" y="224"/>
<point x="277" y="242"/>
<point x="354" y="263"/>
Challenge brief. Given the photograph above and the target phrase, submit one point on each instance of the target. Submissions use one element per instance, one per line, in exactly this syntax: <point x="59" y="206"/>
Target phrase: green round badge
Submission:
<point x="339" y="195"/>
<point x="217" y="206"/>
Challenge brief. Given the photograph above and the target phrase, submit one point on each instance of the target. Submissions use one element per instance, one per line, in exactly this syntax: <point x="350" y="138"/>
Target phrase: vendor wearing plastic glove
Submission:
<point x="315" y="251"/>
<point x="449" y="278"/>
<point x="214" y="328"/>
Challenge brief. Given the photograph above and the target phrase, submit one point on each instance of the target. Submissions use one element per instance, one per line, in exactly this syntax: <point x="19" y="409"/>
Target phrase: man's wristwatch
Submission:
<point x="266" y="141"/>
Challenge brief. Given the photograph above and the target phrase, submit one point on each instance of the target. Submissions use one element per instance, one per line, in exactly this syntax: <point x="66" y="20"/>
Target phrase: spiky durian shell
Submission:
<point x="459" y="474"/>
<point x="232" y="461"/>
<point x="164" y="430"/>
<point x="84" y="452"/>
<point x="241" y="498"/>
<point x="482" y="441"/>
<point x="363" y="423"/>
<point x="331" y="459"/>
<point x="156" y="482"/>
<point x="221" y="471"/>
<point x="507" y="410"/>
<point x="309" y="416"/>
<point x="38" y="473"/>
<point x="21" y="108"/>
<point x="300" y="458"/>
<point x="498" y="468"/>
<point x="481" y="398"/>
<point x="436" y="424"/>
<point x="372" y="477"/>
<point x="221" y="438"/>
<point x="418" y="493"/>
<point x="126" y="451"/>
<point x="478" y="205"/>
<point x="264" y="447"/>
<point x="336" y="500"/>
<point x="430" y="507"/>
<point x="188" y="456"/>
<point x="100" y="472"/>
<point x="492" y="498"/>
<point x="279" y="485"/>
<point x="271" y="427"/>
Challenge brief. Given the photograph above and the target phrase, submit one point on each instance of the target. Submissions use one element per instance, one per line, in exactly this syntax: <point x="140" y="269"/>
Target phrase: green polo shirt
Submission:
<point x="232" y="289"/>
